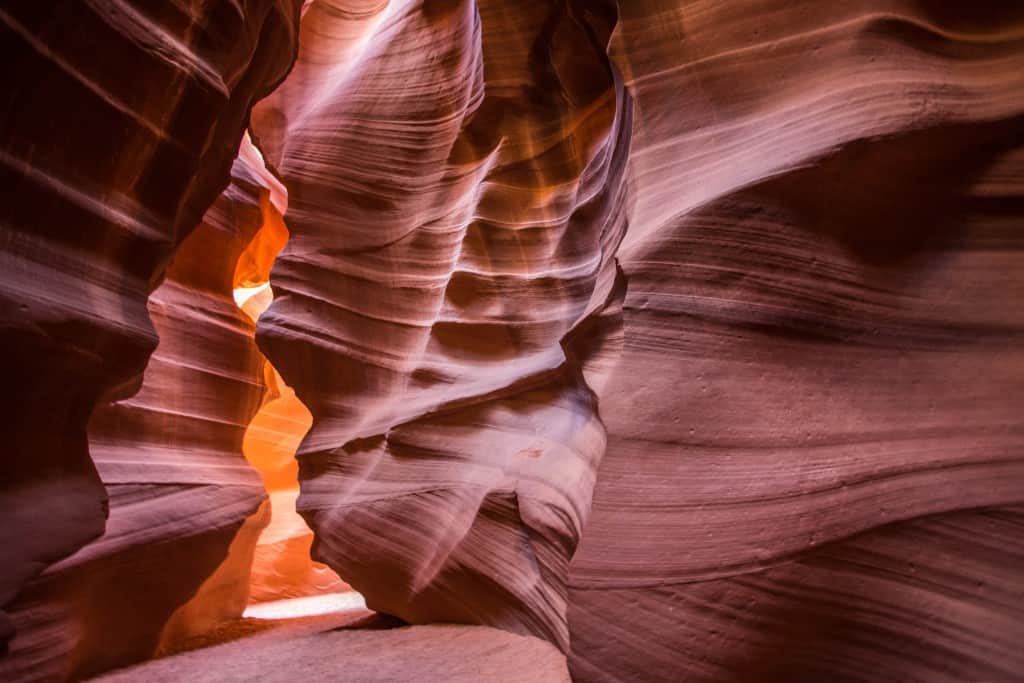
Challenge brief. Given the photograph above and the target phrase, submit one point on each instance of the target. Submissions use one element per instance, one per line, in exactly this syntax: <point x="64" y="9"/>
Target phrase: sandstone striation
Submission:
<point x="185" y="507"/>
<point x="931" y="599"/>
<point x="819" y="342"/>
<point x="806" y="339"/>
<point x="686" y="337"/>
<point x="446" y="241"/>
<point x="120" y="121"/>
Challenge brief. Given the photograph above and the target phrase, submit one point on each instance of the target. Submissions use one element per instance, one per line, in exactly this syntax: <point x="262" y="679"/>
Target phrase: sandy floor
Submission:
<point x="351" y="648"/>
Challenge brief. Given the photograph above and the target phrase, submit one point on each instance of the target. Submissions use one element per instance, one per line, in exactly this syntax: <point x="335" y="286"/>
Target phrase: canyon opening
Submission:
<point x="512" y="341"/>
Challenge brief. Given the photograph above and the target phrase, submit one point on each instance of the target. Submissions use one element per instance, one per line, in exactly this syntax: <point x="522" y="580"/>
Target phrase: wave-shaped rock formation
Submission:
<point x="281" y="565"/>
<point x="812" y="208"/>
<point x="120" y="122"/>
<point x="185" y="508"/>
<point x="454" y="207"/>
<point x="685" y="336"/>
<point x="823" y="338"/>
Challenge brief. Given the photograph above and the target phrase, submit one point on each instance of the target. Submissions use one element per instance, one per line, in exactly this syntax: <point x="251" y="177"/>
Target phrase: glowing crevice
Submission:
<point x="282" y="568"/>
<point x="309" y="606"/>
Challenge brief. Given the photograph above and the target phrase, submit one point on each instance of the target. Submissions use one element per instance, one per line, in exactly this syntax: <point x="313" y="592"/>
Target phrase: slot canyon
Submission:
<point x="512" y="340"/>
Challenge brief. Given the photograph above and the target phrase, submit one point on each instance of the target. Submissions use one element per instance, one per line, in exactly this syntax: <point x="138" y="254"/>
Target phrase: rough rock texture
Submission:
<point x="453" y="208"/>
<point x="119" y="121"/>
<point x="932" y="599"/>
<point x="685" y="335"/>
<point x="823" y="337"/>
<point x="180" y="490"/>
<point x="455" y="654"/>
<point x="815" y="212"/>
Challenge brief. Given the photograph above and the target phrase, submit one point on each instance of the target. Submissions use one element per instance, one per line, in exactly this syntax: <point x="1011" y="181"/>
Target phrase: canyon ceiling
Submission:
<point x="669" y="340"/>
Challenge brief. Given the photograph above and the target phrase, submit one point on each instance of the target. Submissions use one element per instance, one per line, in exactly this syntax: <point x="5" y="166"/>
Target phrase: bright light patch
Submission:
<point x="254" y="300"/>
<point x="243" y="294"/>
<point x="314" y="605"/>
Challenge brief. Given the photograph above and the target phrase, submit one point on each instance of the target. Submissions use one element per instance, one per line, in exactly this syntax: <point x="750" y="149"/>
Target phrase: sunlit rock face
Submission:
<point x="455" y="200"/>
<point x="811" y="351"/>
<point x="119" y="125"/>
<point x="282" y="567"/>
<point x="686" y="336"/>
<point x="186" y="508"/>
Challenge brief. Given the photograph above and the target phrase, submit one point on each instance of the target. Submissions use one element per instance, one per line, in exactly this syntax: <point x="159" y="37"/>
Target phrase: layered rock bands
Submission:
<point x="120" y="124"/>
<point x="686" y="336"/>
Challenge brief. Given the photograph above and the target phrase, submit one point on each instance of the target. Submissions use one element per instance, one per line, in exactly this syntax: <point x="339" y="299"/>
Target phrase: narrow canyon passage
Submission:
<point x="282" y="569"/>
<point x="604" y="341"/>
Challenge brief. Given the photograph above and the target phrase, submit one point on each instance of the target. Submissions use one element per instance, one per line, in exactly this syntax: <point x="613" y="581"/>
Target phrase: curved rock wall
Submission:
<point x="180" y="491"/>
<point x="684" y="335"/>
<point x="814" y="340"/>
<point x="833" y="377"/>
<point x="120" y="121"/>
<point x="454" y="204"/>
<point x="822" y="338"/>
<point x="281" y="565"/>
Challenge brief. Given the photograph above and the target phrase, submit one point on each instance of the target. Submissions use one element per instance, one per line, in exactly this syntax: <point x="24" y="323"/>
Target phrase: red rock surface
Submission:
<point x="119" y="125"/>
<point x="819" y="342"/>
<point x="456" y="654"/>
<point x="685" y="336"/>
<point x="180" y="491"/>
<point x="816" y="343"/>
<point x="425" y="316"/>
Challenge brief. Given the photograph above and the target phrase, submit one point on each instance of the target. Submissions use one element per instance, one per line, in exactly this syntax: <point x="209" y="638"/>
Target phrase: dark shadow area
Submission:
<point x="887" y="199"/>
